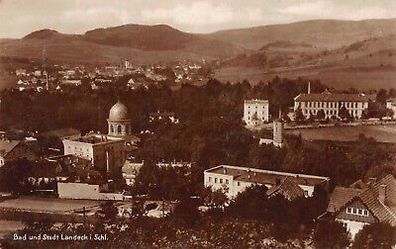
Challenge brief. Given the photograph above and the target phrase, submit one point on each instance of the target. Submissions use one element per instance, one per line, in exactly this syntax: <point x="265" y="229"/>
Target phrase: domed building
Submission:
<point x="119" y="124"/>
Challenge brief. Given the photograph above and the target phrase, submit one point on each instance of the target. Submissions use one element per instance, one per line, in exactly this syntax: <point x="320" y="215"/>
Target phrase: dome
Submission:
<point x="118" y="112"/>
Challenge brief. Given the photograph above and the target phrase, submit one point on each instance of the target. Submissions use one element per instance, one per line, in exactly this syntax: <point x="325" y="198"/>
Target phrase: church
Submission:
<point x="107" y="152"/>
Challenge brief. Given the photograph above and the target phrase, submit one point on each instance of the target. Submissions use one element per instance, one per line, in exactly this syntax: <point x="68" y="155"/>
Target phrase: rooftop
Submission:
<point x="265" y="176"/>
<point x="7" y="145"/>
<point x="334" y="97"/>
<point x="383" y="211"/>
<point x="96" y="139"/>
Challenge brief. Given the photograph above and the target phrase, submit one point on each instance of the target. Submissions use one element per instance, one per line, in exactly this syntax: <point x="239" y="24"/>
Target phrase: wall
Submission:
<point x="261" y="107"/>
<point x="85" y="191"/>
<point x="352" y="227"/>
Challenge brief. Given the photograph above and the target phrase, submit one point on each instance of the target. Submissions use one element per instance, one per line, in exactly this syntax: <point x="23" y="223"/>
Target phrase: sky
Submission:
<point x="20" y="17"/>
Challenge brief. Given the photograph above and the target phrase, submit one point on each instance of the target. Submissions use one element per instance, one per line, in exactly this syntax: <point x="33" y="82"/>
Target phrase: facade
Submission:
<point x="391" y="104"/>
<point x="105" y="153"/>
<point x="85" y="191"/>
<point x="331" y="103"/>
<point x="234" y="179"/>
<point x="363" y="204"/>
<point x="255" y="112"/>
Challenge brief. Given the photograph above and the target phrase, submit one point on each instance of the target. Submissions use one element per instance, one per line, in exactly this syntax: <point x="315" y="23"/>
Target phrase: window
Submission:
<point x="119" y="129"/>
<point x="305" y="192"/>
<point x="221" y="180"/>
<point x="365" y="212"/>
<point x="215" y="180"/>
<point x="210" y="179"/>
<point x="111" y="128"/>
<point x="238" y="184"/>
<point x="349" y="210"/>
<point x="227" y="181"/>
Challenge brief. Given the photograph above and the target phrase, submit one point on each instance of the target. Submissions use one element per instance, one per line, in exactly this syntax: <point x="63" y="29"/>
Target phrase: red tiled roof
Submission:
<point x="333" y="97"/>
<point x="6" y="146"/>
<point x="340" y="197"/>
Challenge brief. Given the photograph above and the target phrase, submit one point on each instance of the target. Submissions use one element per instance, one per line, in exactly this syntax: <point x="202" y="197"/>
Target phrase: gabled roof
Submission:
<point x="287" y="188"/>
<point x="334" y="97"/>
<point x="6" y="146"/>
<point x="383" y="211"/>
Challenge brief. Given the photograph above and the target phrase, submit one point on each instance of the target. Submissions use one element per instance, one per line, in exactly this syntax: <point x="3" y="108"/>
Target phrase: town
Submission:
<point x="158" y="166"/>
<point x="197" y="124"/>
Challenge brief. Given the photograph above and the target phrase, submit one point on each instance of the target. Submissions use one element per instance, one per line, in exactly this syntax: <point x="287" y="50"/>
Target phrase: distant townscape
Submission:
<point x="167" y="154"/>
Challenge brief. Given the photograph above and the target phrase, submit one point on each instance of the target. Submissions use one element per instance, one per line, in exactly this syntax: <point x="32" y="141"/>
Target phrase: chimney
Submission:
<point x="382" y="193"/>
<point x="225" y="171"/>
<point x="309" y="87"/>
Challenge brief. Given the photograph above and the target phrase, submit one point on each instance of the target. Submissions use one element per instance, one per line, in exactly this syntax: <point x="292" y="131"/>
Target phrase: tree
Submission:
<point x="186" y="212"/>
<point x="381" y="97"/>
<point x="376" y="235"/>
<point x="108" y="211"/>
<point x="321" y="115"/>
<point x="343" y="113"/>
<point x="299" y="115"/>
<point x="330" y="234"/>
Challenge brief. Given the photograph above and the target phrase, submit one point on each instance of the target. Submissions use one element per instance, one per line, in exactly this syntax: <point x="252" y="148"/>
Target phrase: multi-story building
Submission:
<point x="331" y="103"/>
<point x="234" y="180"/>
<point x="255" y="112"/>
<point x="364" y="203"/>
<point x="106" y="153"/>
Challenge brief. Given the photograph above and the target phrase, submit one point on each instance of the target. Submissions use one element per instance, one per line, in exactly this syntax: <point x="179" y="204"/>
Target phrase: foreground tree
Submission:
<point x="377" y="235"/>
<point x="330" y="235"/>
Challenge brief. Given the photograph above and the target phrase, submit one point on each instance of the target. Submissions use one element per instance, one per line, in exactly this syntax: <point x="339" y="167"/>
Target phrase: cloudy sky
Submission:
<point x="20" y="17"/>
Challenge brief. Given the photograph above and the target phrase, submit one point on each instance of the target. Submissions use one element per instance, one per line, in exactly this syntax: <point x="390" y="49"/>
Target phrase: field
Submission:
<point x="381" y="133"/>
<point x="46" y="205"/>
<point x="339" y="78"/>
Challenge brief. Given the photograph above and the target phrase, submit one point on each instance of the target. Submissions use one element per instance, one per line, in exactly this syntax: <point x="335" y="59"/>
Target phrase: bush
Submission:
<point x="330" y="235"/>
<point x="377" y="235"/>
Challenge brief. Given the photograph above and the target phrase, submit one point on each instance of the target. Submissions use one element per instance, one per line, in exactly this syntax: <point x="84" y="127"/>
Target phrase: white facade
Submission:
<point x="311" y="104"/>
<point x="84" y="191"/>
<point x="353" y="227"/>
<point x="106" y="153"/>
<point x="234" y="180"/>
<point x="255" y="112"/>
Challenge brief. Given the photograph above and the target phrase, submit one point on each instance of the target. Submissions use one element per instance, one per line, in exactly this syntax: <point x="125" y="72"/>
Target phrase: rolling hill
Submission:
<point x="141" y="44"/>
<point x="327" y="34"/>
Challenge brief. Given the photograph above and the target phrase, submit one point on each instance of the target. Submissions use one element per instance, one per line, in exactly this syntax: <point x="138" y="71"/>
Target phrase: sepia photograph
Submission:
<point x="189" y="124"/>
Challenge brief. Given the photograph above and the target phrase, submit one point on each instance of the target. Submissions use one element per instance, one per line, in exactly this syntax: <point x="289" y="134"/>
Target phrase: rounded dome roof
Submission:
<point x="118" y="112"/>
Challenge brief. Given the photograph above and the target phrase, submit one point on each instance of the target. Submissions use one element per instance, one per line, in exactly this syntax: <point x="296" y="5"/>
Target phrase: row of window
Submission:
<point x="221" y="180"/>
<point x="357" y="211"/>
<point x="254" y="106"/>
<point x="332" y="104"/>
<point x="330" y="112"/>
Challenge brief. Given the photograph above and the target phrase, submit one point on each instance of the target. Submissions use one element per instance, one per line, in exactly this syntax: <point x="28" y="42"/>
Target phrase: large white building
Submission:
<point x="255" y="112"/>
<point x="234" y="179"/>
<point x="106" y="152"/>
<point x="331" y="103"/>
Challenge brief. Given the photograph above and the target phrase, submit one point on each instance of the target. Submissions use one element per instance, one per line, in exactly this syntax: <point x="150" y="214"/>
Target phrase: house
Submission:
<point x="255" y="112"/>
<point x="364" y="203"/>
<point x="11" y="150"/>
<point x="286" y="188"/>
<point x="235" y="179"/>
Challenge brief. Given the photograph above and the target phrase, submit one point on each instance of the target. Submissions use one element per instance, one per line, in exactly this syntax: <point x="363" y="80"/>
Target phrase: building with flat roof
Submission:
<point x="235" y="179"/>
<point x="255" y="112"/>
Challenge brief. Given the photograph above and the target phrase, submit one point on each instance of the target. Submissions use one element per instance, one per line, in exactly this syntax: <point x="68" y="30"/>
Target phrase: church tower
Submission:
<point x="119" y="124"/>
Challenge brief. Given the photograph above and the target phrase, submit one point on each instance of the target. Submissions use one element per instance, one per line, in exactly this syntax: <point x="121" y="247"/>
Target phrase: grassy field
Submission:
<point x="339" y="78"/>
<point x="381" y="133"/>
<point x="46" y="205"/>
